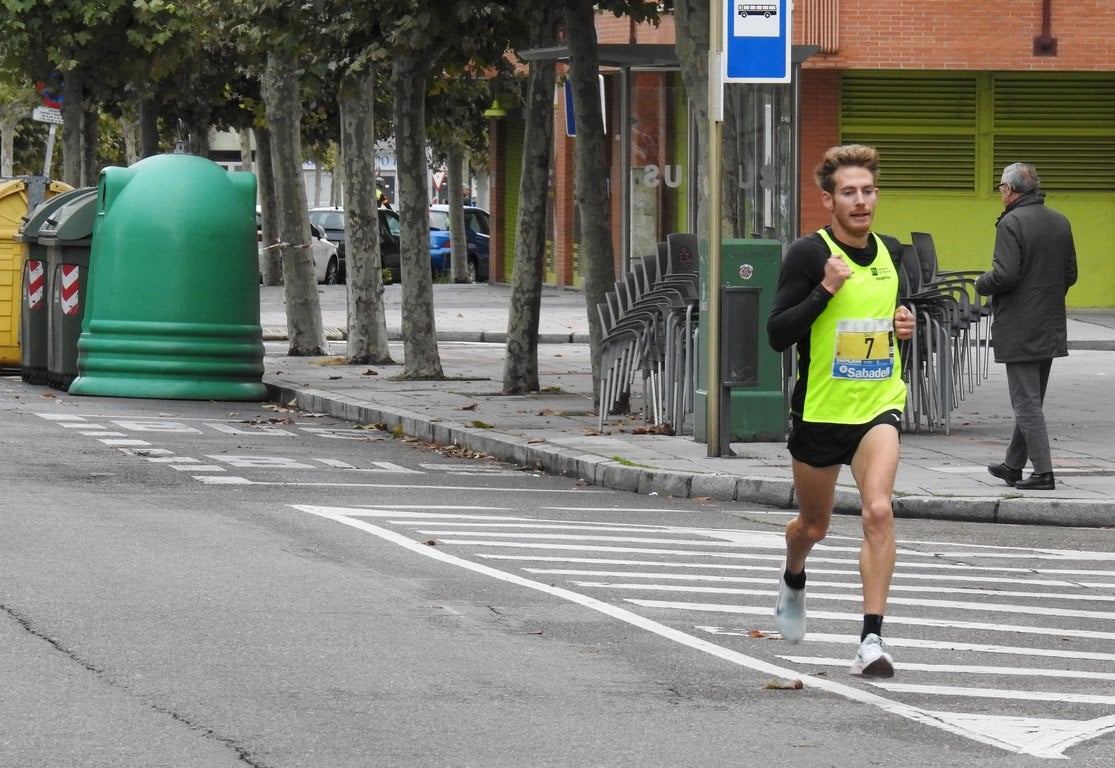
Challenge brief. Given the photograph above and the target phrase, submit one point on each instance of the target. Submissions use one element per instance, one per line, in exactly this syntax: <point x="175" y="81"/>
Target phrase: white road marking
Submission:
<point x="101" y="433"/>
<point x="197" y="468"/>
<point x="759" y="542"/>
<point x="257" y="429"/>
<point x="156" y="425"/>
<point x="404" y="486"/>
<point x="1032" y="736"/>
<point x="59" y="417"/>
<point x="777" y="566"/>
<point x="936" y="645"/>
<point x="780" y="558"/>
<point x="937" y="590"/>
<point x="906" y="666"/>
<point x="122" y="442"/>
<point x="378" y="466"/>
<point x="891" y="619"/>
<point x="993" y="693"/>
<point x="1039" y="610"/>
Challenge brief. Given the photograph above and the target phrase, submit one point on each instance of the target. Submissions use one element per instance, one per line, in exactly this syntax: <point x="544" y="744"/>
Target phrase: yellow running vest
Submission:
<point x="854" y="369"/>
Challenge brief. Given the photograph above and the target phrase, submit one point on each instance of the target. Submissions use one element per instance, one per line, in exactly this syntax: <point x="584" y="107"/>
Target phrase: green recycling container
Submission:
<point x="67" y="236"/>
<point x="35" y="285"/>
<point x="750" y="371"/>
<point x="173" y="306"/>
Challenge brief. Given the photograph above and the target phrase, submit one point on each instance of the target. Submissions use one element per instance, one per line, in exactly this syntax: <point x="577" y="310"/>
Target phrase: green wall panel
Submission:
<point x="963" y="229"/>
<point x="514" y="132"/>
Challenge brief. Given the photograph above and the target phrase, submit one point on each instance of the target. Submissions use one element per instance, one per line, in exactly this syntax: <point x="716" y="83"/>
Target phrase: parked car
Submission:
<point x="327" y="262"/>
<point x="476" y="238"/>
<point x="332" y="220"/>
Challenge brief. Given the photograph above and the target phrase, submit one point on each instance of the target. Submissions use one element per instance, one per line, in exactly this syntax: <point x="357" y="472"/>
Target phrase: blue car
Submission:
<point x="476" y="236"/>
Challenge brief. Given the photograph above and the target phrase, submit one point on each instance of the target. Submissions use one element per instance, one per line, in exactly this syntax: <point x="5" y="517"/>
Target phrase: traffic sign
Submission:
<point x="757" y="42"/>
<point x="47" y="115"/>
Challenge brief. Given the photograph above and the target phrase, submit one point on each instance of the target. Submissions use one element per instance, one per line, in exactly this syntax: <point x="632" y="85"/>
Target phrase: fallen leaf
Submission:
<point x="758" y="634"/>
<point x="49" y="394"/>
<point x="784" y="685"/>
<point x="370" y="372"/>
<point x="469" y="407"/>
<point x="430" y="543"/>
<point x="536" y="440"/>
<point x="701" y="498"/>
<point x="654" y="429"/>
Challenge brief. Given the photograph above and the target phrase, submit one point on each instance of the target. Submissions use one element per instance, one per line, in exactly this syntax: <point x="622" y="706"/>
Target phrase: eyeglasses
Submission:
<point x="999" y="187"/>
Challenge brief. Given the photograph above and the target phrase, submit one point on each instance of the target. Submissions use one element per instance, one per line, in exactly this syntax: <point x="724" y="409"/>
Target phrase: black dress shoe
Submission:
<point x="1005" y="473"/>
<point x="1038" y="481"/>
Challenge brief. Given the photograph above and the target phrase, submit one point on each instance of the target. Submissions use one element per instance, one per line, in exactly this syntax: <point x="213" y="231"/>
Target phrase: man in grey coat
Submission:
<point x="1032" y="269"/>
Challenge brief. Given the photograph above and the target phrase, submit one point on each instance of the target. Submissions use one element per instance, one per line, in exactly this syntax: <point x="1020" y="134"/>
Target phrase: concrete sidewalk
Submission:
<point x="940" y="477"/>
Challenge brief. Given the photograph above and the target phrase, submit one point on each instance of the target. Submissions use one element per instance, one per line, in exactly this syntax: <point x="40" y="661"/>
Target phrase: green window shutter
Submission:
<point x="923" y="124"/>
<point x="1063" y="124"/>
<point x="938" y="130"/>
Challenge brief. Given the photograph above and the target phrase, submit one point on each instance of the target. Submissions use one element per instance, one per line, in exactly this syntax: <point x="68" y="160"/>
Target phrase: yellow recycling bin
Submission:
<point x="14" y="197"/>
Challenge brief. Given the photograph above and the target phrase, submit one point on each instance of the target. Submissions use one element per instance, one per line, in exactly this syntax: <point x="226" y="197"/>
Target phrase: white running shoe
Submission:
<point x="789" y="612"/>
<point x="873" y="658"/>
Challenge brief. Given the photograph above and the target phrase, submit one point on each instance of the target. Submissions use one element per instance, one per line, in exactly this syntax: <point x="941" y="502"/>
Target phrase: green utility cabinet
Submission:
<point x="752" y="400"/>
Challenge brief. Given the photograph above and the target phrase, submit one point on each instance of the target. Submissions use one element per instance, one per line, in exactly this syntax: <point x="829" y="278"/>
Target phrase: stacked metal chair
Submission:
<point x="948" y="353"/>
<point x="649" y="319"/>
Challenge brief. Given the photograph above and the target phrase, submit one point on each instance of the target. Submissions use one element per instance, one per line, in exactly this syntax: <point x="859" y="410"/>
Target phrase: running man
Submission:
<point x="837" y="300"/>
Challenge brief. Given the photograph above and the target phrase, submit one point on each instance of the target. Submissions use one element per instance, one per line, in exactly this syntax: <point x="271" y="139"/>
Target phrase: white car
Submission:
<point x="327" y="264"/>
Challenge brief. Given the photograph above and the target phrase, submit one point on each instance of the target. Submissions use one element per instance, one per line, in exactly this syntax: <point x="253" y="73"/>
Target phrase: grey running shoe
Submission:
<point x="873" y="658"/>
<point x="789" y="612"/>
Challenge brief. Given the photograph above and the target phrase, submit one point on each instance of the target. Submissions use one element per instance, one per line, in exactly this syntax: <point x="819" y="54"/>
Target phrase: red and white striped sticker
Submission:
<point x="35" y="284"/>
<point x="68" y="296"/>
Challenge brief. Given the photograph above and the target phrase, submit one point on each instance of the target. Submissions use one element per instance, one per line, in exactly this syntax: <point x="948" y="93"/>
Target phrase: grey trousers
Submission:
<point x="1027" y="383"/>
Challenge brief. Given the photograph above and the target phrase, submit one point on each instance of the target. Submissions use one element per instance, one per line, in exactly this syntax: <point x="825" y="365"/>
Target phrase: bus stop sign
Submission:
<point x="757" y="42"/>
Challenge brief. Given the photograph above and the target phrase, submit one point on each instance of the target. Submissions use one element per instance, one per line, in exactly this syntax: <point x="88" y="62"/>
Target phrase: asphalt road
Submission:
<point x="207" y="584"/>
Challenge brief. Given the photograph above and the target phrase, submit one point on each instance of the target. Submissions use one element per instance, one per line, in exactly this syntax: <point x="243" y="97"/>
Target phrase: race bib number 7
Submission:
<point x="864" y="349"/>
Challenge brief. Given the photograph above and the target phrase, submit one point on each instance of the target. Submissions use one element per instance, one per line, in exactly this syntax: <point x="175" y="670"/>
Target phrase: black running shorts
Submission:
<point x="823" y="445"/>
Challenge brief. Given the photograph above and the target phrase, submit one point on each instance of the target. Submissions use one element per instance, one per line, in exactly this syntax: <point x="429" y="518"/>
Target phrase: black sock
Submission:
<point x="794" y="580"/>
<point x="872" y="625"/>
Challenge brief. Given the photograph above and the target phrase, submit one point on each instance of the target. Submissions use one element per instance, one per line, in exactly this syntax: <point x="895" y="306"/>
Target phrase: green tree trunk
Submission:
<point x="409" y="76"/>
<point x="367" y="323"/>
<point x="692" y="23"/>
<point x="284" y="109"/>
<point x="271" y="258"/>
<point x="458" y="243"/>
<point x="520" y="365"/>
<point x="591" y="164"/>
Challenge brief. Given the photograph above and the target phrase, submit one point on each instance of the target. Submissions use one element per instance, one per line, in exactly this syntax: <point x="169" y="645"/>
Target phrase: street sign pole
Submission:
<point x="49" y="148"/>
<point x="715" y="138"/>
<point x="749" y="42"/>
<point x="51" y="115"/>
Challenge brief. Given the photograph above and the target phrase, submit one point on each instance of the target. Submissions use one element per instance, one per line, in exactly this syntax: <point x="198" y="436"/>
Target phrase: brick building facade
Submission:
<point x="949" y="90"/>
